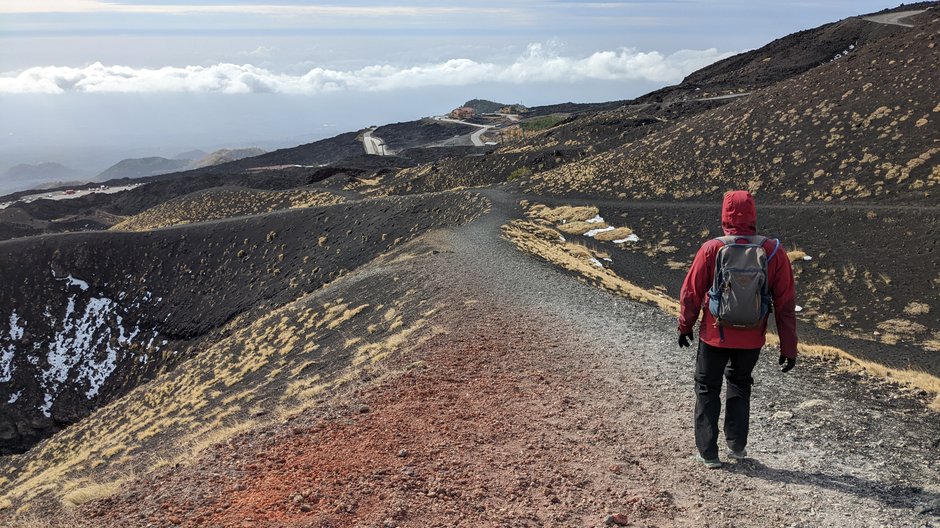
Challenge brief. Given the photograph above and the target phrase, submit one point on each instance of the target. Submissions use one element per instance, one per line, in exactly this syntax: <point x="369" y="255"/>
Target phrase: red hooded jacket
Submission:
<point x="739" y="217"/>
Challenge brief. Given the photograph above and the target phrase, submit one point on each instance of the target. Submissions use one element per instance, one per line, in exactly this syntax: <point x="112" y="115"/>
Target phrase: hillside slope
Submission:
<point x="459" y="382"/>
<point x="92" y="315"/>
<point x="860" y="128"/>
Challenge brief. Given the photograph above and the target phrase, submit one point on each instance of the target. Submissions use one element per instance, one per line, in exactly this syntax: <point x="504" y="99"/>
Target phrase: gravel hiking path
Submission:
<point x="551" y="403"/>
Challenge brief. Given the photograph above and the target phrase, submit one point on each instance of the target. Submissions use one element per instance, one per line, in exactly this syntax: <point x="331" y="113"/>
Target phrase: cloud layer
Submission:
<point x="537" y="64"/>
<point x="97" y="6"/>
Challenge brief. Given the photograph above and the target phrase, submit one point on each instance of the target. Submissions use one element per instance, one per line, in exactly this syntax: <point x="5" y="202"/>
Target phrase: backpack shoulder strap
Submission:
<point x="774" y="252"/>
<point x="756" y="240"/>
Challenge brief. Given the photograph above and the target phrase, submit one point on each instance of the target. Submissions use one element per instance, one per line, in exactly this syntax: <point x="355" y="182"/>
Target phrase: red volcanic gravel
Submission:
<point x="491" y="431"/>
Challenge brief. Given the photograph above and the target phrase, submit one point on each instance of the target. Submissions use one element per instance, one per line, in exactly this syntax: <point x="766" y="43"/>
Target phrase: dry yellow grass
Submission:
<point x="796" y="255"/>
<point x="91" y="492"/>
<point x="618" y="233"/>
<point x="572" y="220"/>
<point x="579" y="227"/>
<point x="902" y="327"/>
<point x="676" y="265"/>
<point x="218" y="436"/>
<point x="917" y="308"/>
<point x="563" y="213"/>
<point x="913" y="378"/>
<point x="546" y="232"/>
<point x="577" y="258"/>
<point x="224" y="203"/>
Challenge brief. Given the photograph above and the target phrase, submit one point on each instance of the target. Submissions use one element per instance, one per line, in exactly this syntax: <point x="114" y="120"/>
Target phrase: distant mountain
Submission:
<point x="39" y="172"/>
<point x="55" y="184"/>
<point x="226" y="155"/>
<point x="141" y="167"/>
<point x="482" y="106"/>
<point x="191" y="155"/>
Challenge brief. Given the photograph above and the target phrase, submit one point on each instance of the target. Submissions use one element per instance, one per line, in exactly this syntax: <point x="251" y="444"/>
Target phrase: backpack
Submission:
<point x="739" y="296"/>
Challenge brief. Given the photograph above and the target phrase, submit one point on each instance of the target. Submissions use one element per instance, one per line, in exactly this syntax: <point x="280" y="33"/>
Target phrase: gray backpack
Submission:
<point x="739" y="296"/>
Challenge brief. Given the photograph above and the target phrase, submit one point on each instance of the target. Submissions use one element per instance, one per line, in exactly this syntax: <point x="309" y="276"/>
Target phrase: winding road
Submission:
<point x="894" y="19"/>
<point x="474" y="137"/>
<point x="374" y="145"/>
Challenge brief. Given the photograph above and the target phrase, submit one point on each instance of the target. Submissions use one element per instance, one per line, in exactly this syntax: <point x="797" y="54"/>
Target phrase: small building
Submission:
<point x="513" y="109"/>
<point x="464" y="112"/>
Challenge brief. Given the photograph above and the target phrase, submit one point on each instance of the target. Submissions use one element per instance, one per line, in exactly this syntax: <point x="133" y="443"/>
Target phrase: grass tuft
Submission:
<point x="618" y="233"/>
<point x="92" y="492"/>
<point x="796" y="255"/>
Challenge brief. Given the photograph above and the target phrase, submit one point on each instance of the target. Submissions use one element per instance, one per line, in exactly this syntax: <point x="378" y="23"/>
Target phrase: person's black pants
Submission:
<point x="736" y="365"/>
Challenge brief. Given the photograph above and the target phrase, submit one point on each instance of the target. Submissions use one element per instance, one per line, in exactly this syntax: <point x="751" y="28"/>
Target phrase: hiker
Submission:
<point x="735" y="281"/>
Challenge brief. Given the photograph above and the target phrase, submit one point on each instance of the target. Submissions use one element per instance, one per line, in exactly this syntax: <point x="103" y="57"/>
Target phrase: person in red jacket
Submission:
<point x="730" y="351"/>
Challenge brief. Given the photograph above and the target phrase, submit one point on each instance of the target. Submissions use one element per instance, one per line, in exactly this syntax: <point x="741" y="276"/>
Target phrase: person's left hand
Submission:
<point x="790" y="363"/>
<point x="685" y="340"/>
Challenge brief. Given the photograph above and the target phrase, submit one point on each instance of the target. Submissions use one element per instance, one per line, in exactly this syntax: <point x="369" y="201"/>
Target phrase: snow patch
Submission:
<point x="77" y="282"/>
<point x="90" y="339"/>
<point x="807" y="257"/>
<point x="84" y="338"/>
<point x="72" y="281"/>
<point x="596" y="220"/>
<point x="630" y="238"/>
<point x="8" y="351"/>
<point x="596" y="262"/>
<point x="15" y="396"/>
<point x="16" y="331"/>
<point x="798" y="308"/>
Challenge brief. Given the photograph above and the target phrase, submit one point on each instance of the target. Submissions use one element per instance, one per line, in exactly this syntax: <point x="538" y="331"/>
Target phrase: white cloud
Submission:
<point x="97" y="6"/>
<point x="261" y="52"/>
<point x="538" y="64"/>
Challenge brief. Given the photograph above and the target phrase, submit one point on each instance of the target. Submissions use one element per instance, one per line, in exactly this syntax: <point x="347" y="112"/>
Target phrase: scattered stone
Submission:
<point x="403" y="452"/>
<point x="617" y="519"/>
<point x="811" y="404"/>
<point x="363" y="409"/>
<point x="932" y="507"/>
<point x="782" y="415"/>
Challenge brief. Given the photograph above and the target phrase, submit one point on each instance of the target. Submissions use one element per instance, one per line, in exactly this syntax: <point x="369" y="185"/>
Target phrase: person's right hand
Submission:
<point x="685" y="340"/>
<point x="790" y="363"/>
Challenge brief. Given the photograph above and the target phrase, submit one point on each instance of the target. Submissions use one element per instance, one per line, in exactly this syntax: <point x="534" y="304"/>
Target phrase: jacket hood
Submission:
<point x="739" y="214"/>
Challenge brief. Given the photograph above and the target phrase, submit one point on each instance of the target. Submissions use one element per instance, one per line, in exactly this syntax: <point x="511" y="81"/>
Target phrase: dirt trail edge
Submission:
<point x="547" y="402"/>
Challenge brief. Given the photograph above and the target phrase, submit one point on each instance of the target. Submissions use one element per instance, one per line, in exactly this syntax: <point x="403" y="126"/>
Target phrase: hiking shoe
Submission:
<point x="737" y="455"/>
<point x="710" y="463"/>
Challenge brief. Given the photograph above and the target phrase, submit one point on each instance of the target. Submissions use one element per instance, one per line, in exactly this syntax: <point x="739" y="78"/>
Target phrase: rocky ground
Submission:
<point x="546" y="402"/>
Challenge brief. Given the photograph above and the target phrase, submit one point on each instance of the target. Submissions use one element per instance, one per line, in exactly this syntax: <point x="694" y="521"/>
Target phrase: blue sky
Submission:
<point x="85" y="80"/>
